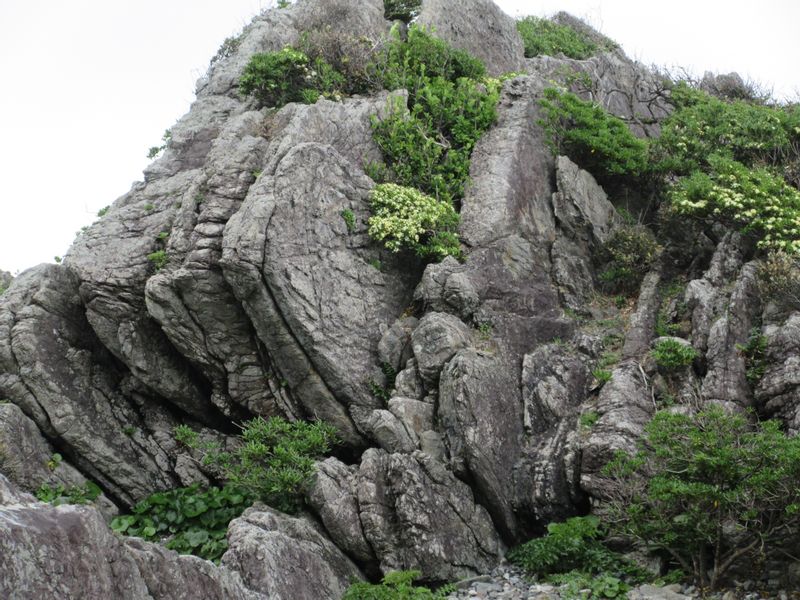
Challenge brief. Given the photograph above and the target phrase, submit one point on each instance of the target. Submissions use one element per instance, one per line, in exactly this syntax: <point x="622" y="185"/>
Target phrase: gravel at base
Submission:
<point x="508" y="583"/>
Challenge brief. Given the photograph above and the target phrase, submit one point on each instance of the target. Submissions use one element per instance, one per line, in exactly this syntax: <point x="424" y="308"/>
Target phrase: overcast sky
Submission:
<point x="89" y="85"/>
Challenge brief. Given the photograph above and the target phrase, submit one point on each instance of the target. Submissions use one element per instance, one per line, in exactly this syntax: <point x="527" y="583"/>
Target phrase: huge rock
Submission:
<point x="286" y="558"/>
<point x="410" y="513"/>
<point x="471" y="26"/>
<point x="69" y="552"/>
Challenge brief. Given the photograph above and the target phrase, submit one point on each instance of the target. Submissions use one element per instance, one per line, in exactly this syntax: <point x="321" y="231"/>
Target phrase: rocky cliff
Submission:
<point x="268" y="304"/>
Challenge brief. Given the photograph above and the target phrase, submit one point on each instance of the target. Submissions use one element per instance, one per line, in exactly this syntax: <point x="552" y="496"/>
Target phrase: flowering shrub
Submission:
<point x="753" y="200"/>
<point x="405" y="218"/>
<point x="779" y="279"/>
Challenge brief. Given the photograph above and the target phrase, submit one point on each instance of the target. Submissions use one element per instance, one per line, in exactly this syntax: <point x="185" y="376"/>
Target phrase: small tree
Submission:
<point x="710" y="489"/>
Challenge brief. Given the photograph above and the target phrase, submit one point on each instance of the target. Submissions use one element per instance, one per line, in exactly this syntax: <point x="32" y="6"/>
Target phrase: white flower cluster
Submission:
<point x="405" y="218"/>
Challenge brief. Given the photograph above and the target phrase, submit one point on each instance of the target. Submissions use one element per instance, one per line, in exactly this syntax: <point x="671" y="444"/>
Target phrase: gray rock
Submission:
<point x="435" y="340"/>
<point x="554" y="382"/>
<point x="28" y="459"/>
<point x="778" y="391"/>
<point x="304" y="280"/>
<point x="394" y="347"/>
<point x="481" y="419"/>
<point x="471" y="25"/>
<point x="651" y="592"/>
<point x="332" y="496"/>
<point x="56" y="371"/>
<point x="5" y="280"/>
<point x="642" y="323"/>
<point x="411" y="512"/>
<point x="69" y="552"/>
<point x="726" y="379"/>
<point x="286" y="557"/>
<point x="408" y="383"/>
<point x="624" y="406"/>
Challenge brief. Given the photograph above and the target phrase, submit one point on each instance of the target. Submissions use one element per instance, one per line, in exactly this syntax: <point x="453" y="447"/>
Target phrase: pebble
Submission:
<point x="508" y="582"/>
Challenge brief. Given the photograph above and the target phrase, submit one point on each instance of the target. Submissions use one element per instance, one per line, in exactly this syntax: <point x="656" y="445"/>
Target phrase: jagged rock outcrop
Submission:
<point x="229" y="284"/>
<point x="5" y="280"/>
<point x="69" y="552"/>
<point x="286" y="558"/>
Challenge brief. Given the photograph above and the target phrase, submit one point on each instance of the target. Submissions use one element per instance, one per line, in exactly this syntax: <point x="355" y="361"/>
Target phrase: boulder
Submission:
<point x="285" y="557"/>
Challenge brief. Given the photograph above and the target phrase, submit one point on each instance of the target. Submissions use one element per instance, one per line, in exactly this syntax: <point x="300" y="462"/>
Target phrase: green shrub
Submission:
<point x="573" y="544"/>
<point x="397" y="585"/>
<point x="672" y="354"/>
<point x="412" y="63"/>
<point x="159" y="259"/>
<point x="430" y="148"/>
<point x="288" y="75"/>
<point x="405" y="218"/>
<point x="349" y="218"/>
<point x="192" y="521"/>
<point x="779" y="280"/>
<point x="710" y="489"/>
<point x="402" y="10"/>
<point x="273" y="461"/>
<point x="597" y="141"/>
<point x="630" y="252"/>
<point x="577" y="585"/>
<point x="754" y="352"/>
<point x="60" y="494"/>
<point x="542" y="36"/>
<point x="602" y="376"/>
<point x="702" y="126"/>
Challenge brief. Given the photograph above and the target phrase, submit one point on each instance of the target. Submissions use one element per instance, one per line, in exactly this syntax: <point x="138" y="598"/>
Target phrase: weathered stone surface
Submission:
<point x="726" y="379"/>
<point x="286" y="557"/>
<point x="778" y="392"/>
<point x="471" y="26"/>
<point x="54" y="369"/>
<point x="5" y="280"/>
<point x="27" y="458"/>
<point x="554" y="382"/>
<point x="412" y="512"/>
<point x="333" y="498"/>
<point x="304" y="279"/>
<point x="274" y="29"/>
<point x="394" y="347"/>
<point x="481" y="419"/>
<point x="622" y="86"/>
<point x="69" y="552"/>
<point x="585" y="219"/>
<point x="624" y="406"/>
<point x="435" y="340"/>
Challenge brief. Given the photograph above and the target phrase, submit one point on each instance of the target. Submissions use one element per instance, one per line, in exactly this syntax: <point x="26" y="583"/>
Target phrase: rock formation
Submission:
<point x="269" y="304"/>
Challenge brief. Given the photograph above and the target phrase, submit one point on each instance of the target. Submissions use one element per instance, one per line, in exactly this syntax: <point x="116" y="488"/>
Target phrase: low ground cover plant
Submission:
<point x="273" y="461"/>
<point x="396" y="585"/>
<point x="672" y="354"/>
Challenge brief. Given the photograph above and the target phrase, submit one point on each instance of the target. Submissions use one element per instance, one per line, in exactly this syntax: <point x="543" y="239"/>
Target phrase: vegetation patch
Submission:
<point x="710" y="489"/>
<point x="629" y="252"/>
<point x="755" y="354"/>
<point x="597" y="141"/>
<point x="405" y="218"/>
<point x="543" y="36"/>
<point x="572" y="554"/>
<point x="273" y="461"/>
<point x="401" y="10"/>
<point x="189" y="520"/>
<point x="60" y="494"/>
<point x="671" y="354"/>
<point x="289" y="75"/>
<point x="396" y="585"/>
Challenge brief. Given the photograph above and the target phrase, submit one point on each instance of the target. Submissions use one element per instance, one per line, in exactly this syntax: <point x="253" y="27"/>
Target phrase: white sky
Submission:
<point x="89" y="85"/>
